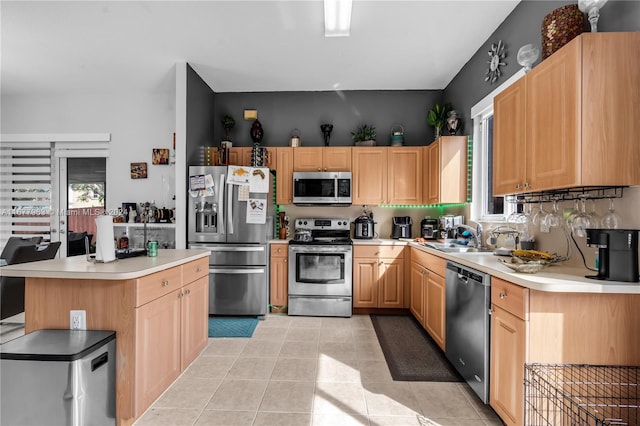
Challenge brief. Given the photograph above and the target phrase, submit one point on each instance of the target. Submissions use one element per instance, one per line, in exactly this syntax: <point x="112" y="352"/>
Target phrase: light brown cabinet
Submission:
<point x="279" y="275"/>
<point x="387" y="175"/>
<point x="378" y="276"/>
<point x="241" y="156"/>
<point x="573" y="104"/>
<point x="284" y="175"/>
<point x="446" y="170"/>
<point x="322" y="159"/>
<point x="428" y="293"/>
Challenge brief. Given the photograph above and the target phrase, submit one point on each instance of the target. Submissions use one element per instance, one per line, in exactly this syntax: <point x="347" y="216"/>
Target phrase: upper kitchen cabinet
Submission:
<point x="241" y="156"/>
<point x="369" y="175"/>
<point x="284" y="175"/>
<point x="579" y="112"/>
<point x="322" y="159"/>
<point x="446" y="170"/>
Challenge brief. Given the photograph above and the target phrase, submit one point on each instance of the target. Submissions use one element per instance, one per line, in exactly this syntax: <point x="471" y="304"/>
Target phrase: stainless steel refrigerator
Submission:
<point x="217" y="220"/>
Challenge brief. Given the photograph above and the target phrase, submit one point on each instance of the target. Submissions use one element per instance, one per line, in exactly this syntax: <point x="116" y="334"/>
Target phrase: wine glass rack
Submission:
<point x="568" y="194"/>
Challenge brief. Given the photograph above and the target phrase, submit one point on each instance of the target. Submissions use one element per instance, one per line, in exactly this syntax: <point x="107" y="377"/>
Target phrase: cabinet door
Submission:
<point x="435" y="310"/>
<point x="157" y="348"/>
<point x="453" y="169"/>
<point x="553" y="120"/>
<point x="507" y="366"/>
<point x="509" y="143"/>
<point x="369" y="175"/>
<point x="279" y="275"/>
<point x="284" y="175"/>
<point x="365" y="283"/>
<point x="240" y="156"/>
<point x="307" y="159"/>
<point x="405" y="175"/>
<point x="418" y="278"/>
<point x="391" y="283"/>
<point x="433" y="192"/>
<point x="195" y="320"/>
<point x="336" y="159"/>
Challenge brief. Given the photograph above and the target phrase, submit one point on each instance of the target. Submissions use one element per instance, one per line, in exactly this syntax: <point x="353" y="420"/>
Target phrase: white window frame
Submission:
<point x="479" y="113"/>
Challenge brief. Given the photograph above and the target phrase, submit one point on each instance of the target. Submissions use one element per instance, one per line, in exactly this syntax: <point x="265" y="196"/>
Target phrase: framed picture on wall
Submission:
<point x="138" y="170"/>
<point x="160" y="156"/>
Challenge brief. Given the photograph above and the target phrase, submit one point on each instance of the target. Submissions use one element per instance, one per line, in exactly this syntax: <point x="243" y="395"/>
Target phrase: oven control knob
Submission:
<point x="305" y="222"/>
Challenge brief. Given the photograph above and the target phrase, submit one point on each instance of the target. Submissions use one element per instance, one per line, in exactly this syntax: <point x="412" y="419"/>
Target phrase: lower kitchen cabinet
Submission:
<point x="428" y="295"/>
<point x="378" y="276"/>
<point x="279" y="275"/>
<point x="194" y="331"/>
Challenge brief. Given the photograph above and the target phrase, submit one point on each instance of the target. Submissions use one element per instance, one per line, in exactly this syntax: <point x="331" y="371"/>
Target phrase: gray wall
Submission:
<point x="281" y="112"/>
<point x="200" y="117"/>
<point x="521" y="27"/>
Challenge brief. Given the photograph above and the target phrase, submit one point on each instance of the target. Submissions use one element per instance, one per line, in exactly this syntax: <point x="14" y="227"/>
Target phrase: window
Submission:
<point x="485" y="207"/>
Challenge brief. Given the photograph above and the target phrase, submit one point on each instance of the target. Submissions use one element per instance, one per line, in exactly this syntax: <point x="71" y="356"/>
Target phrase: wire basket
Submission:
<point x="572" y="394"/>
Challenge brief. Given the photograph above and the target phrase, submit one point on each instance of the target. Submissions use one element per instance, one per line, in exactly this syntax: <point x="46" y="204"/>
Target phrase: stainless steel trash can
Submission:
<point x="59" y="377"/>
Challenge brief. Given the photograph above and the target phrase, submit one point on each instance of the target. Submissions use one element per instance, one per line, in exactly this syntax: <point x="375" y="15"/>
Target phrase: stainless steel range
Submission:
<point x="320" y="268"/>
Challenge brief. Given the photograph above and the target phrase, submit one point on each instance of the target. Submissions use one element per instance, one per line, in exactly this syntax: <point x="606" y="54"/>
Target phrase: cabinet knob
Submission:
<point x="165" y="283"/>
<point x="188" y="291"/>
<point x="180" y="295"/>
<point x="285" y="261"/>
<point x="527" y="185"/>
<point x="518" y="186"/>
<point x="198" y="269"/>
<point x="319" y="169"/>
<point x="503" y="295"/>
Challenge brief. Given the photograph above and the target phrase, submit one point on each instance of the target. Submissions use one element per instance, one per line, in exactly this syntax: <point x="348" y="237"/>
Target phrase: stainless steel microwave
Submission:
<point x="327" y="188"/>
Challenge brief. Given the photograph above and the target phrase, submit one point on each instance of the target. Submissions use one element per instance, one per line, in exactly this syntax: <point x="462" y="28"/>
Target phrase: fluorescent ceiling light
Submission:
<point x="337" y="18"/>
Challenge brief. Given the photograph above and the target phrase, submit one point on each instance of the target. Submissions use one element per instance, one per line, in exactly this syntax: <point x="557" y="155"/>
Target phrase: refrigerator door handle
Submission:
<point x="230" y="190"/>
<point x="221" y="223"/>
<point x="236" y="271"/>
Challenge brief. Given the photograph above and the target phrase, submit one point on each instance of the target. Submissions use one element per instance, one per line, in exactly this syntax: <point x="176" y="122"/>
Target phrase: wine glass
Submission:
<point x="539" y="216"/>
<point x="573" y="213"/>
<point x="597" y="220"/>
<point x="582" y="220"/>
<point x="611" y="220"/>
<point x="553" y="219"/>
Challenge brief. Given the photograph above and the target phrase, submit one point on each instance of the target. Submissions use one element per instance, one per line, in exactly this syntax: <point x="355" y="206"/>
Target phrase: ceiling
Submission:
<point x="238" y="46"/>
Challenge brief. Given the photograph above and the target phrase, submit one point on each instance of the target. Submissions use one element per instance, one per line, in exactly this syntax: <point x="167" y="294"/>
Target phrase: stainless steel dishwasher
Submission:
<point x="467" y="343"/>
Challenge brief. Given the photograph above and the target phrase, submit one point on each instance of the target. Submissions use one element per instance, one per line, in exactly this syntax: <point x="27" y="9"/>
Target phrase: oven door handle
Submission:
<point x="236" y="271"/>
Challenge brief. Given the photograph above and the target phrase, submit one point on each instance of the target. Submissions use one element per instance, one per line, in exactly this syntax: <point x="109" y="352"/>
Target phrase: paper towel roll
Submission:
<point x="105" y="247"/>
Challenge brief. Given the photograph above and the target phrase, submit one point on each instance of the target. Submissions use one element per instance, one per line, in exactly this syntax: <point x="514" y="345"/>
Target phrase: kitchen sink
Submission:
<point x="455" y="248"/>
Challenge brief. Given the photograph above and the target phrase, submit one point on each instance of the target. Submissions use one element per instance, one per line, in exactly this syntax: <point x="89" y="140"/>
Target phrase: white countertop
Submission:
<point x="77" y="267"/>
<point x="555" y="278"/>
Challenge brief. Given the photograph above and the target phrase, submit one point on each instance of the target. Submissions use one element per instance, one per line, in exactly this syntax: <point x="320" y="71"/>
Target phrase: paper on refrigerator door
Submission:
<point x="238" y="175"/>
<point x="256" y="210"/>
<point x="259" y="180"/>
<point x="243" y="192"/>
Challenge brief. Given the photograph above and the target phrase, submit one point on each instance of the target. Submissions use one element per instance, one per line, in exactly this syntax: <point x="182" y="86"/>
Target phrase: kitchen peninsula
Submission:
<point x="158" y="307"/>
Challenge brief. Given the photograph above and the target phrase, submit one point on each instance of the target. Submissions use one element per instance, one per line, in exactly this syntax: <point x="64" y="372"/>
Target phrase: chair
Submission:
<point x="14" y="242"/>
<point x="75" y="243"/>
<point x="12" y="288"/>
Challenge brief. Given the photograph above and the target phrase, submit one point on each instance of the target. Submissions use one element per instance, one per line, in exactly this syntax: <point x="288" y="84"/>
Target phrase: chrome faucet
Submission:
<point x="475" y="233"/>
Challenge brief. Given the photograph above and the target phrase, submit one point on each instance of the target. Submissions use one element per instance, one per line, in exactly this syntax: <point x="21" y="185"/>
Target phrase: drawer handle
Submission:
<point x="503" y="295"/>
<point x="188" y="291"/>
<point x="165" y="283"/>
<point x="198" y="269"/>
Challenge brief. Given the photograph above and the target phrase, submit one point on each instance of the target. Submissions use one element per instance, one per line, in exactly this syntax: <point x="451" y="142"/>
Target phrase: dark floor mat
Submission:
<point x="411" y="353"/>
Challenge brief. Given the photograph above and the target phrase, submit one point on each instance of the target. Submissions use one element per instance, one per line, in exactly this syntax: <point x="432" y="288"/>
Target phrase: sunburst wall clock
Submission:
<point x="496" y="60"/>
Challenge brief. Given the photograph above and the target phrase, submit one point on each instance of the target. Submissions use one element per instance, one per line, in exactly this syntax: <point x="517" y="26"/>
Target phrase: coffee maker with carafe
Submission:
<point x="617" y="253"/>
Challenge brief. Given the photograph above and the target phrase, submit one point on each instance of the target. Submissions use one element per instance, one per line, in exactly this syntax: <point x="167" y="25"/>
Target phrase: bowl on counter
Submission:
<point x="524" y="266"/>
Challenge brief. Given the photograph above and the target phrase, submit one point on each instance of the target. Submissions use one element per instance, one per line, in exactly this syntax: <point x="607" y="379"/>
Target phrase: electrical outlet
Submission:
<point x="77" y="320"/>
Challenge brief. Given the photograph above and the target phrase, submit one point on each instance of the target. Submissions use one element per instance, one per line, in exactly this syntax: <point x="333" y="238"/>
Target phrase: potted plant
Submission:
<point x="364" y="135"/>
<point x="437" y="116"/>
<point x="227" y="122"/>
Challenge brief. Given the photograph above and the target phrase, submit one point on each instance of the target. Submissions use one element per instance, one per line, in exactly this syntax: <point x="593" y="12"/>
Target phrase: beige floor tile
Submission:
<point x="269" y="333"/>
<point x="188" y="392"/>
<point x="275" y="320"/>
<point x="443" y="400"/>
<point x="210" y="367"/>
<point x="226" y="418"/>
<point x="295" y="369"/>
<point x="288" y="397"/>
<point x="305" y="322"/>
<point x="484" y="410"/>
<point x="493" y="422"/>
<point x="454" y="422"/>
<point x="238" y="395"/>
<point x="341" y="334"/>
<point x="332" y="322"/>
<point x="369" y="350"/>
<point x="338" y="350"/>
<point x="299" y="334"/>
<point x="168" y="417"/>
<point x="299" y="350"/>
<point x="361" y="321"/>
<point x="396" y="421"/>
<point x="374" y="371"/>
<point x="282" y="419"/>
<point x="364" y="335"/>
<point x="390" y="399"/>
<point x="225" y="347"/>
<point x="252" y="368"/>
<point x="262" y="348"/>
<point x="333" y="370"/>
<point x="334" y="398"/>
<point x="341" y="419"/>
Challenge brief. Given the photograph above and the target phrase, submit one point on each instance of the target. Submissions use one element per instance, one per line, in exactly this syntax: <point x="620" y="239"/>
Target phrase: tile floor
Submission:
<point x="308" y="371"/>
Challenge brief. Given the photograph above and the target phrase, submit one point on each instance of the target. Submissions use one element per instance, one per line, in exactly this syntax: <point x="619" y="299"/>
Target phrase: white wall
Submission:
<point x="138" y="122"/>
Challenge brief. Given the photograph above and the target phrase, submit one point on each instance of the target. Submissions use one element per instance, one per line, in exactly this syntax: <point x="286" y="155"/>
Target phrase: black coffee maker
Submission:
<point x="617" y="253"/>
<point x="401" y="227"/>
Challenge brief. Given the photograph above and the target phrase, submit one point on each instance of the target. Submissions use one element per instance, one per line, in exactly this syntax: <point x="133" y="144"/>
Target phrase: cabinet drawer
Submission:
<point x="378" y="251"/>
<point x="193" y="270"/>
<point x="279" y="250"/>
<point x="510" y="297"/>
<point x="431" y="262"/>
<point x="152" y="286"/>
